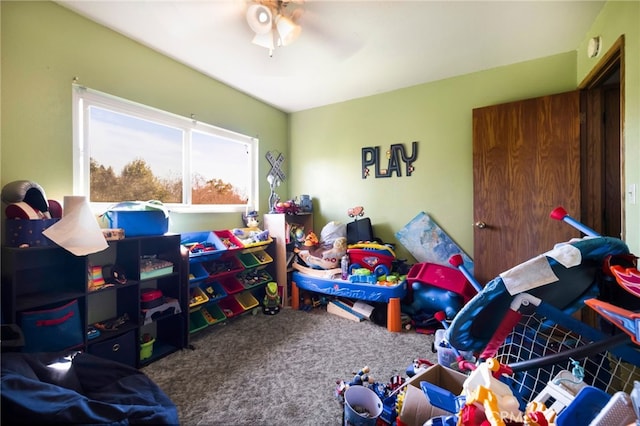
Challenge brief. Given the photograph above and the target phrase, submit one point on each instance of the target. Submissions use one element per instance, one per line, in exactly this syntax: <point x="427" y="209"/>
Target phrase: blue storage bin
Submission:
<point x="197" y="273"/>
<point x="203" y="245"/>
<point x="139" y="222"/>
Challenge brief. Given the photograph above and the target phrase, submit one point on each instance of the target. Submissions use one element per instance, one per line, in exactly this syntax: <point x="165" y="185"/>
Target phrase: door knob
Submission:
<point x="480" y="225"/>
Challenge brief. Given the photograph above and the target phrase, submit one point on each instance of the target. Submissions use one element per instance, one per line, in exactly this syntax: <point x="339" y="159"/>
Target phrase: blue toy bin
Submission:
<point x="139" y="222"/>
<point x="213" y="246"/>
<point x="362" y="406"/>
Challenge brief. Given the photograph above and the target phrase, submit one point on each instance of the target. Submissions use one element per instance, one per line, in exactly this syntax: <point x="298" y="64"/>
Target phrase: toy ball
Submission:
<point x="299" y="234"/>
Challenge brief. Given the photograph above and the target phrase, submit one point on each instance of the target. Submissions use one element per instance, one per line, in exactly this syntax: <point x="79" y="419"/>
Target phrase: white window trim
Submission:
<point x="81" y="178"/>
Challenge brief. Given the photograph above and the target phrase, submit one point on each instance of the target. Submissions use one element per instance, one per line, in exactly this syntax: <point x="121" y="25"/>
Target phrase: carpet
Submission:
<point x="282" y="369"/>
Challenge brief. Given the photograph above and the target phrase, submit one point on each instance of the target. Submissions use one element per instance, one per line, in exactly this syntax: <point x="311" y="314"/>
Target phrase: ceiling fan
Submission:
<point x="274" y="22"/>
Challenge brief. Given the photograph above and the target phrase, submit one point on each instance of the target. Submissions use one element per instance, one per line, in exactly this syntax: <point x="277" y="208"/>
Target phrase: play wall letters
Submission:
<point x="396" y="157"/>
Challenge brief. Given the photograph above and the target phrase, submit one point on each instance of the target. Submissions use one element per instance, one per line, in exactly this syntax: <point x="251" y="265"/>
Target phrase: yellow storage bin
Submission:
<point x="246" y="300"/>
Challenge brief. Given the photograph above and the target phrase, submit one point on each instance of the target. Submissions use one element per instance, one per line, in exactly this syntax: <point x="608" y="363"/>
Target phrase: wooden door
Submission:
<point x="526" y="162"/>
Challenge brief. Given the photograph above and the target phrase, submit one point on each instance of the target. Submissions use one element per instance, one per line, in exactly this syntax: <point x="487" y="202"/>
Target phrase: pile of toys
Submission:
<point x="510" y="357"/>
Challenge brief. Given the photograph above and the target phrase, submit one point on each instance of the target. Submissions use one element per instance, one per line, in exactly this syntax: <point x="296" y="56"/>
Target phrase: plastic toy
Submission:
<point x="378" y="258"/>
<point x="430" y="299"/>
<point x="92" y="332"/>
<point x="627" y="278"/>
<point x="311" y="240"/>
<point x="362" y="275"/>
<point x="288" y="207"/>
<point x="271" y="301"/>
<point x="251" y="219"/>
<point x="627" y="321"/>
<point x="355" y="212"/>
<point x="559" y="213"/>
<point x="360" y="378"/>
<point x="319" y="258"/>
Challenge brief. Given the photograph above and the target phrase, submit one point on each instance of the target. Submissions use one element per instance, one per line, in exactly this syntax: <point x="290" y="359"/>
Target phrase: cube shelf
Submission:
<point x="226" y="278"/>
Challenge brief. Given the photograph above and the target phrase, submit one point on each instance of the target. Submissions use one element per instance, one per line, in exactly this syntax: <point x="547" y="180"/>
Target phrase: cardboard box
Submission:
<point x="416" y="408"/>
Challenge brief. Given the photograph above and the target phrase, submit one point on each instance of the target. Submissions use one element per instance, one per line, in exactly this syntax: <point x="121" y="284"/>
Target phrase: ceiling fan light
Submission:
<point x="264" y="40"/>
<point x="288" y="30"/>
<point x="259" y="18"/>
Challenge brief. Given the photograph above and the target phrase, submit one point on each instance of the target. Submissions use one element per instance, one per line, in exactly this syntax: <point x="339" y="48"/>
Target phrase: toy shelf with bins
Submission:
<point x="226" y="280"/>
<point x="279" y="226"/>
<point x="44" y="277"/>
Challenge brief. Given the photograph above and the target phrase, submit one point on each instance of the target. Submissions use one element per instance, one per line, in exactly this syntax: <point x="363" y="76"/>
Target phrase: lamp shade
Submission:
<point x="287" y="30"/>
<point x="264" y="40"/>
<point x="259" y="18"/>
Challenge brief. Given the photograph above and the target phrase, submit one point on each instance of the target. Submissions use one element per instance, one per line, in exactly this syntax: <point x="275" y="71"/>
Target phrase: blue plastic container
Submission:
<point x="139" y="222"/>
<point x="203" y="246"/>
<point x="584" y="407"/>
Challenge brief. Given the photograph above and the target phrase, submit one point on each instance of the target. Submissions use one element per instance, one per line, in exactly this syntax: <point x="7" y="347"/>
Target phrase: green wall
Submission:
<point x="436" y="115"/>
<point x="439" y="116"/>
<point x="44" y="46"/>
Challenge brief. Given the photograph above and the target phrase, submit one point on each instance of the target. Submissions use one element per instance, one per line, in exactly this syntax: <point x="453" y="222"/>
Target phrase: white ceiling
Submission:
<point x="347" y="49"/>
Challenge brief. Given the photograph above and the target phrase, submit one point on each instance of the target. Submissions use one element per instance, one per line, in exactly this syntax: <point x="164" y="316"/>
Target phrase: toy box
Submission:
<point x="203" y="245"/>
<point x="139" y="222"/>
<point x="417" y="408"/>
<point x="28" y="232"/>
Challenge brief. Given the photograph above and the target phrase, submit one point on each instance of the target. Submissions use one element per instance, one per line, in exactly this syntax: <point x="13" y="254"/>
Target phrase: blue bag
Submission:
<point x="52" y="330"/>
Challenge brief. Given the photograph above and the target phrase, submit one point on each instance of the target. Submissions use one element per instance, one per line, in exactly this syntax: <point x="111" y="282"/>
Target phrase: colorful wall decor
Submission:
<point x="396" y="158"/>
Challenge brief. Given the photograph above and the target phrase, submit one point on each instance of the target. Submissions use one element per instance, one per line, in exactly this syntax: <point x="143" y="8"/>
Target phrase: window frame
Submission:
<point x="83" y="98"/>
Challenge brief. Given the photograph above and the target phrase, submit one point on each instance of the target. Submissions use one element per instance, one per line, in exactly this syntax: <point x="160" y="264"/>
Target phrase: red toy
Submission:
<point x="377" y="258"/>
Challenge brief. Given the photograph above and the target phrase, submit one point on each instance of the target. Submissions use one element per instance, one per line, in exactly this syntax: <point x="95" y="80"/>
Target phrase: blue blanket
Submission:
<point x="84" y="390"/>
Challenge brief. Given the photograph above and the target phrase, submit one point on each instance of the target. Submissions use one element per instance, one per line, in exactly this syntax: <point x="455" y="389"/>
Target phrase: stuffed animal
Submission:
<point x="323" y="258"/>
<point x="327" y="253"/>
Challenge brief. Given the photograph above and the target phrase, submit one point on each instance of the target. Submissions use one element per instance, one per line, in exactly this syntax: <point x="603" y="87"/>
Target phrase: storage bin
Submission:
<point x="203" y="245"/>
<point x="231" y="285"/>
<point x="254" y="277"/>
<point x="246" y="300"/>
<point x="139" y="222"/>
<point x="197" y="321"/>
<point x="248" y="260"/>
<point x="215" y="314"/>
<point x="214" y="291"/>
<point x="230" y="307"/>
<point x="446" y="355"/>
<point x="223" y="267"/>
<point x="197" y="297"/>
<point x="197" y="273"/>
<point x="263" y="257"/>
<point x="246" y="237"/>
<point x="52" y="330"/>
<point x="28" y="231"/>
<point x="229" y="240"/>
<point x="120" y="348"/>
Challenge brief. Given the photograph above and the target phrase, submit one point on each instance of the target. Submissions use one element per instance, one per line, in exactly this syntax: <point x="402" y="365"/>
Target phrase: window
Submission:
<point x="125" y="151"/>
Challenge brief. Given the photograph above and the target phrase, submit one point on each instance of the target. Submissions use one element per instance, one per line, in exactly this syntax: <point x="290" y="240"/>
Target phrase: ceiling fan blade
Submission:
<point x="342" y="42"/>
